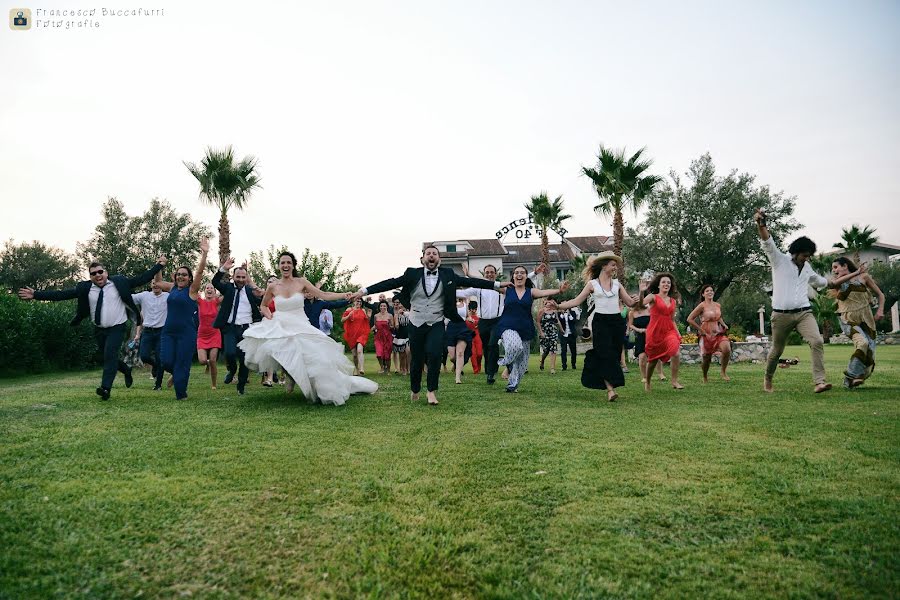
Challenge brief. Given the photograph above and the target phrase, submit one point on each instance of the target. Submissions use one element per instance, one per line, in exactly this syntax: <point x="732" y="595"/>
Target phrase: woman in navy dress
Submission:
<point x="516" y="325"/>
<point x="179" y="335"/>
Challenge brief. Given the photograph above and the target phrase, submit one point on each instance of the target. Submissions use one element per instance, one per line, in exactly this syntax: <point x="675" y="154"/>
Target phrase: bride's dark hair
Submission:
<point x="293" y="261"/>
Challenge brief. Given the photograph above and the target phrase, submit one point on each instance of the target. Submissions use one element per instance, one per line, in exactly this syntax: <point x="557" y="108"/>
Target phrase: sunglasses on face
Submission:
<point x="98" y="272"/>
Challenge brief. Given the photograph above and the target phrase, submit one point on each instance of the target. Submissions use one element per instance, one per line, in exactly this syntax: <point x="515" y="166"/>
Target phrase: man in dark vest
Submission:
<point x="239" y="309"/>
<point x="430" y="292"/>
<point x="107" y="301"/>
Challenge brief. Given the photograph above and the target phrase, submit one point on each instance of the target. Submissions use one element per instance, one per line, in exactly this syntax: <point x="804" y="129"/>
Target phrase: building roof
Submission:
<point x="591" y="244"/>
<point x="486" y="247"/>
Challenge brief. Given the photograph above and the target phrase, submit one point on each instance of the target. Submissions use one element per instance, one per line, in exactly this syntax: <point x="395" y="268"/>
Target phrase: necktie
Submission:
<point x="99" y="308"/>
<point x="237" y="300"/>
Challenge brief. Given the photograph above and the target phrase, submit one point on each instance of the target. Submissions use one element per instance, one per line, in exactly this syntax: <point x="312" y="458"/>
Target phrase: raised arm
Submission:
<point x="201" y="266"/>
<point x="307" y="286"/>
<point x="381" y="286"/>
<point x="27" y="293"/>
<point x="626" y="298"/>
<point x="839" y="281"/>
<point x="577" y="299"/>
<point x="760" y="217"/>
<point x="553" y="292"/>
<point x="474" y="282"/>
<point x="148" y="275"/>
<point x="217" y="278"/>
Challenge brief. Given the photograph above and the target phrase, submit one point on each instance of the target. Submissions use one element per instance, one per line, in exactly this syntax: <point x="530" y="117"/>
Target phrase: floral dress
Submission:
<point x="550" y="329"/>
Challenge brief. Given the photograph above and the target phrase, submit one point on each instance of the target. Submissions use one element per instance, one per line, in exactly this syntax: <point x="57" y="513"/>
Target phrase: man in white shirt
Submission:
<point x="791" y="276"/>
<point x="154" y="309"/>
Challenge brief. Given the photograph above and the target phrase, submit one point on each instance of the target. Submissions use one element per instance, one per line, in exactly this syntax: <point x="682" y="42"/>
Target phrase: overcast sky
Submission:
<point x="379" y="125"/>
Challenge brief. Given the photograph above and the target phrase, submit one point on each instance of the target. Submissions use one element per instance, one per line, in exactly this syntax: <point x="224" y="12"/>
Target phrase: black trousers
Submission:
<point x="490" y="345"/>
<point x="109" y="342"/>
<point x="150" y="337"/>
<point x="426" y="344"/>
<point x="232" y="335"/>
<point x="569" y="342"/>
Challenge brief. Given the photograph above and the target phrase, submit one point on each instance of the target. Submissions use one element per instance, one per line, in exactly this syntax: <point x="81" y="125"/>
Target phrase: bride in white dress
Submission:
<point x="286" y="339"/>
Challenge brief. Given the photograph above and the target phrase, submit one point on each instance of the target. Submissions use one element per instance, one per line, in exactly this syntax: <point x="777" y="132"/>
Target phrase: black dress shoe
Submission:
<point x="229" y="377"/>
<point x="240" y="389"/>
<point x="103" y="393"/>
<point x="156" y="388"/>
<point x="564" y="367"/>
<point x="129" y="378"/>
<point x="490" y="380"/>
<point x="510" y="389"/>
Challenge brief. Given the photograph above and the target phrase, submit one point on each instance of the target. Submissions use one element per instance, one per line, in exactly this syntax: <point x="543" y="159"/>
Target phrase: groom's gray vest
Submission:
<point x="426" y="310"/>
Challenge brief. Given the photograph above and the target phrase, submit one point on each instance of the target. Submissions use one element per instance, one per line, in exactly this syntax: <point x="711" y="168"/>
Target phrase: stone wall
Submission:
<point x="690" y="353"/>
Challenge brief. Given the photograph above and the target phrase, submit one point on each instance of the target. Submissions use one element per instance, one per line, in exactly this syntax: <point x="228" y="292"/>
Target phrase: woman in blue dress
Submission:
<point x="516" y="325"/>
<point x="178" y="340"/>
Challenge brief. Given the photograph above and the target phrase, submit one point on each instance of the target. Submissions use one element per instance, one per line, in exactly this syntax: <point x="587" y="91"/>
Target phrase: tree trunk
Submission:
<point x="545" y="252"/>
<point x="224" y="238"/>
<point x="618" y="237"/>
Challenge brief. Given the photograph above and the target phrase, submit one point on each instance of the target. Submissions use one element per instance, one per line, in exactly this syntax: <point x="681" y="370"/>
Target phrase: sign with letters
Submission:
<point x="524" y="228"/>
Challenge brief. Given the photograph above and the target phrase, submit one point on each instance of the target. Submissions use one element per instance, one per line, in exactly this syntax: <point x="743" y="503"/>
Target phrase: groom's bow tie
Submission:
<point x="431" y="272"/>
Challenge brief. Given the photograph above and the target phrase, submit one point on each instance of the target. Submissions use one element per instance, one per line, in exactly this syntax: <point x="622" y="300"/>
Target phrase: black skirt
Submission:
<point x="602" y="364"/>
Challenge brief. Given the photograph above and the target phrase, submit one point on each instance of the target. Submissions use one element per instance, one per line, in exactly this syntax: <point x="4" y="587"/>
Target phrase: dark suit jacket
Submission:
<point x="228" y="290"/>
<point x="449" y="280"/>
<point x="124" y="285"/>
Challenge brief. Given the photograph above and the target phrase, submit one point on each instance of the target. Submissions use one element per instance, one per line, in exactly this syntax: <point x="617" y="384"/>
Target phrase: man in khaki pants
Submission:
<point x="791" y="276"/>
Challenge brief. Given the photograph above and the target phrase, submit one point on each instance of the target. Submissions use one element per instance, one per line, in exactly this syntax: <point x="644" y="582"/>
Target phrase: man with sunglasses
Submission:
<point x="107" y="301"/>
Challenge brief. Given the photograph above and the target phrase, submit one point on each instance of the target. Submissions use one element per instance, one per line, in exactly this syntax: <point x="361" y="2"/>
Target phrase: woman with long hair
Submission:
<point x="179" y="335"/>
<point x="516" y="325"/>
<point x="548" y="323"/>
<point x="602" y="364"/>
<point x="663" y="340"/>
<point x="458" y="340"/>
<point x="853" y="288"/>
<point x="711" y="331"/>
<point x="638" y="321"/>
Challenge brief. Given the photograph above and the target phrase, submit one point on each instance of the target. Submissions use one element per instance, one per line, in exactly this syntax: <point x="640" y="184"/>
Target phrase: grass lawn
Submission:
<point x="717" y="490"/>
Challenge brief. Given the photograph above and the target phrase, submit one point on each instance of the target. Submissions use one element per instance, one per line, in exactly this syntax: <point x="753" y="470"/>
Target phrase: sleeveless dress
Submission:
<point x="516" y="315"/>
<point x="315" y="361"/>
<point x="208" y="336"/>
<point x="477" y="347"/>
<point x="384" y="340"/>
<point x="711" y="335"/>
<point x="663" y="340"/>
<point x="640" y="339"/>
<point x="550" y="340"/>
<point x="602" y="364"/>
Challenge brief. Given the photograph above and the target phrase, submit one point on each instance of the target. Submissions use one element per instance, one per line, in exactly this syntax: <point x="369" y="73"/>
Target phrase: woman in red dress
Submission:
<point x="356" y="334"/>
<point x="384" y="339"/>
<point x="209" y="339"/>
<point x="663" y="340"/>
<point x="477" y="348"/>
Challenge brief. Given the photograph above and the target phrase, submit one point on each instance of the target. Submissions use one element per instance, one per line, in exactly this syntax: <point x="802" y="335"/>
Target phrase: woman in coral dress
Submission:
<point x="356" y="334"/>
<point x="663" y="340"/>
<point x="209" y="339"/>
<point x="477" y="348"/>
<point x="711" y="330"/>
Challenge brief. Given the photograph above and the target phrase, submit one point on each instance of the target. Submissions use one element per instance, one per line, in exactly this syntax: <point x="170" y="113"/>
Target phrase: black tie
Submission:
<point x="237" y="300"/>
<point x="432" y="273"/>
<point x="99" y="308"/>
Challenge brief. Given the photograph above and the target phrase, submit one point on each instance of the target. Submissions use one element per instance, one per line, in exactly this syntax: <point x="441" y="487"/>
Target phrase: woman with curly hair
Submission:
<point x="663" y="340"/>
<point x="711" y="331"/>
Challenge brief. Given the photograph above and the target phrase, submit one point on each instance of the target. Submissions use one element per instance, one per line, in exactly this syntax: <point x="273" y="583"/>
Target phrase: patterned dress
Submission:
<point x="857" y="322"/>
<point x="550" y="329"/>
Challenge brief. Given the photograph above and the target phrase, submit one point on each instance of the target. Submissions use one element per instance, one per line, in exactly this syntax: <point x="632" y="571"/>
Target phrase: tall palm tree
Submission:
<point x="225" y="183"/>
<point x="546" y="214"/>
<point x="856" y="240"/>
<point x="620" y="184"/>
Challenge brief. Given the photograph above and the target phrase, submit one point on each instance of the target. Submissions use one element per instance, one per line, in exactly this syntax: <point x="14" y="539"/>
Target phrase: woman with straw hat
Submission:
<point x="602" y="368"/>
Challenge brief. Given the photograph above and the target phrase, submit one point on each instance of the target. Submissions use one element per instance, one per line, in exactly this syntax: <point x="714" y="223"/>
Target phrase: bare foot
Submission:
<point x="677" y="385"/>
<point x="822" y="387"/>
<point x="725" y="376"/>
<point x="705" y="379"/>
<point x="213" y="387"/>
<point x="611" y="395"/>
<point x="414" y="396"/>
<point x="767" y="385"/>
<point x="289" y="386"/>
<point x="432" y="399"/>
<point x="646" y="385"/>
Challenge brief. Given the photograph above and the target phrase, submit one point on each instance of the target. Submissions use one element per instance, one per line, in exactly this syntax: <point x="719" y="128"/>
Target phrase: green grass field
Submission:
<point x="714" y="491"/>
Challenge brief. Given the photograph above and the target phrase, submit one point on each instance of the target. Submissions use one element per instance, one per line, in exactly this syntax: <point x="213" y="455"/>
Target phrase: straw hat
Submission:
<point x="607" y="255"/>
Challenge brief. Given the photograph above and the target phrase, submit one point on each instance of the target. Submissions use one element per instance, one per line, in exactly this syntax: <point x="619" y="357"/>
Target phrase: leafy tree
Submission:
<point x="887" y="276"/>
<point x="546" y="214"/>
<point x="315" y="267"/>
<point x="620" y="184"/>
<point x="225" y="183"/>
<point x="701" y="230"/>
<point x="130" y="245"/>
<point x="824" y="308"/>
<point x="856" y="240"/>
<point x="37" y="265"/>
<point x="740" y="306"/>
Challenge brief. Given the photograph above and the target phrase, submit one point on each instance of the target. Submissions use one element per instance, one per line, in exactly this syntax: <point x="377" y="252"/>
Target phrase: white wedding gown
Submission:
<point x="315" y="361"/>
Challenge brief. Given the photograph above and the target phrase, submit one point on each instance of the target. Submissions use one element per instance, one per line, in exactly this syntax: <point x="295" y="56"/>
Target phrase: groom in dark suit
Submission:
<point x="239" y="309"/>
<point x="107" y="301"/>
<point x="430" y="294"/>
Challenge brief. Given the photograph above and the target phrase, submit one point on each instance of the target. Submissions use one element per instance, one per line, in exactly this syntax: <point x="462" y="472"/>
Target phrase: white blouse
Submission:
<point x="606" y="303"/>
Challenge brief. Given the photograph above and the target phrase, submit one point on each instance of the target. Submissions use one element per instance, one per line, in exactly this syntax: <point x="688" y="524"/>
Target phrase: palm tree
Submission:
<point x="620" y="183"/>
<point x="546" y="214"/>
<point x="225" y="184"/>
<point x="824" y="309"/>
<point x="856" y="240"/>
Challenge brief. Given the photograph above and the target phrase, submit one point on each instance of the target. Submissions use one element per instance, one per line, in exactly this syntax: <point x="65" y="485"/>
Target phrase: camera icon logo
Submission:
<point x="20" y="19"/>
